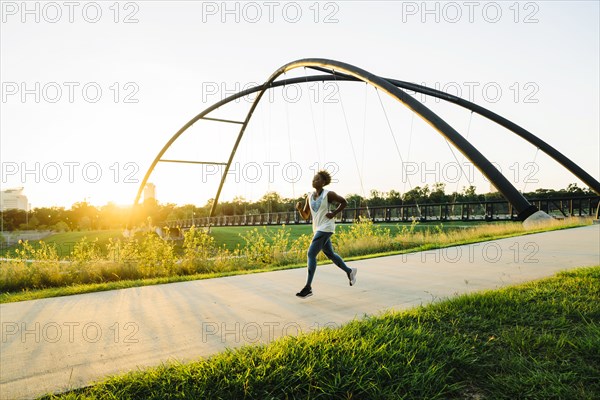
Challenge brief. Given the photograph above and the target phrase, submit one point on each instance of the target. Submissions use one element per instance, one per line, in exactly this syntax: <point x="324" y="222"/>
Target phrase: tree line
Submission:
<point x="84" y="216"/>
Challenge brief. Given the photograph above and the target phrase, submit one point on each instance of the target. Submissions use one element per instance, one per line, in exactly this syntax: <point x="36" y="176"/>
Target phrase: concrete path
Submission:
<point x="56" y="344"/>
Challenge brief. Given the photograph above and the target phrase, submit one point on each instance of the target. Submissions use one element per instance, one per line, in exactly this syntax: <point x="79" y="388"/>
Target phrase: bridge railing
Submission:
<point x="494" y="210"/>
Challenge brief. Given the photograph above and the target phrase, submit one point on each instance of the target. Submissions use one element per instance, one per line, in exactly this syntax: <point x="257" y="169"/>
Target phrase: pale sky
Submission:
<point x="91" y="91"/>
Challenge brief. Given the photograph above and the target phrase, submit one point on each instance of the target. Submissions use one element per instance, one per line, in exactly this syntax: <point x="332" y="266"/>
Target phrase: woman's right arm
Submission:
<point x="303" y="209"/>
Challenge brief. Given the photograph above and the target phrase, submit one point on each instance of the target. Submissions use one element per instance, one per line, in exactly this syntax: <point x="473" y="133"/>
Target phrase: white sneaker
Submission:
<point x="352" y="276"/>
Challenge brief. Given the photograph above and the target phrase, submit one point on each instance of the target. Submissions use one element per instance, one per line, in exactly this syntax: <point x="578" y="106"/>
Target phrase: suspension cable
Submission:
<point x="526" y="181"/>
<point x="461" y="163"/>
<point x="362" y="188"/>
<point x="287" y="114"/>
<point x="312" y="114"/>
<point x="398" y="151"/>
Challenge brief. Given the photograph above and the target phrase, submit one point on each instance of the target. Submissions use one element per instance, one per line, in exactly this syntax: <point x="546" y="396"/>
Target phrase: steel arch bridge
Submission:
<point x="339" y="71"/>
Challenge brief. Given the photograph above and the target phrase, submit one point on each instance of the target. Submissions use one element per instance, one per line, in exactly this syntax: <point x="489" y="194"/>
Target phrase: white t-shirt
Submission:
<point x="319" y="221"/>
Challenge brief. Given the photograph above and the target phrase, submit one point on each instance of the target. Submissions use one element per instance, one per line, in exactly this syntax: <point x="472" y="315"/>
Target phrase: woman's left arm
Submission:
<point x="333" y="197"/>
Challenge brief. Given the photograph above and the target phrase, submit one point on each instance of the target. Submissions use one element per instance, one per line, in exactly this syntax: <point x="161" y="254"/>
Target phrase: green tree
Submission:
<point x="417" y="195"/>
<point x="270" y="202"/>
<point x="572" y="188"/>
<point x="32" y="223"/>
<point x="60" y="226"/>
<point x="376" y="198"/>
<point x="85" y="215"/>
<point x="469" y="193"/>
<point x="355" y="201"/>
<point x="12" y="219"/>
<point x="240" y="205"/>
<point x="85" y="223"/>
<point x="438" y="193"/>
<point x="393" y="198"/>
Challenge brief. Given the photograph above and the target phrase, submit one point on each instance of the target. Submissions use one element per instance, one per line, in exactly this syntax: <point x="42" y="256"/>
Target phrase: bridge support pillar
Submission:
<point x="535" y="219"/>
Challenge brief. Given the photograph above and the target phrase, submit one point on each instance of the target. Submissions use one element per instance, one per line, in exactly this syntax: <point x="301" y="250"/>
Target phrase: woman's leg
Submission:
<point x="315" y="247"/>
<point x="337" y="260"/>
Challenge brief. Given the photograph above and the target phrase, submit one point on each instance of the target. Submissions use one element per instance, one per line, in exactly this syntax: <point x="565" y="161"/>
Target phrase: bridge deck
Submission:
<point x="494" y="210"/>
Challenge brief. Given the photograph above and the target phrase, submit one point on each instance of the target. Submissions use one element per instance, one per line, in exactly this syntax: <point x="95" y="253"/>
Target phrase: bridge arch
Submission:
<point x="342" y="71"/>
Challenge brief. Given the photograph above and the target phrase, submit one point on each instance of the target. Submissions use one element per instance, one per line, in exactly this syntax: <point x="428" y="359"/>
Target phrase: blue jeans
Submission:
<point x="322" y="241"/>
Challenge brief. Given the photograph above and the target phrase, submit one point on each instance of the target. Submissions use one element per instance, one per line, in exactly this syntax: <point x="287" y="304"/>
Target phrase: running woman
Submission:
<point x="323" y="223"/>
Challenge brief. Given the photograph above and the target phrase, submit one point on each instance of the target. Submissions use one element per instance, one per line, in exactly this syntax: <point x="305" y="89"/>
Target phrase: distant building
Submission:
<point x="13" y="199"/>
<point x="150" y="191"/>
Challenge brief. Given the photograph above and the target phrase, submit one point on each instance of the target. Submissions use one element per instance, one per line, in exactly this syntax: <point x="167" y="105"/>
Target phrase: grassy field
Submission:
<point x="65" y="241"/>
<point x="229" y="236"/>
<point x="539" y="340"/>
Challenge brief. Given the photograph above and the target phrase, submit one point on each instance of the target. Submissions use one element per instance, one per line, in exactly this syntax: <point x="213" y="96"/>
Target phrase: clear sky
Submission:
<point x="91" y="91"/>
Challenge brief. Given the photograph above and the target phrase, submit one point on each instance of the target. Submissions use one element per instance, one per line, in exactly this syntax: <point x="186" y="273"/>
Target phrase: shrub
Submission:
<point x="32" y="267"/>
<point x="257" y="248"/>
<point x="198" y="249"/>
<point x="362" y="238"/>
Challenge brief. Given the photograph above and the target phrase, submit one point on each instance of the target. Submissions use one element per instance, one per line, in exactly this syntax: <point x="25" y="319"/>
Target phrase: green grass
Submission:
<point x="65" y="241"/>
<point x="231" y="236"/>
<point x="539" y="340"/>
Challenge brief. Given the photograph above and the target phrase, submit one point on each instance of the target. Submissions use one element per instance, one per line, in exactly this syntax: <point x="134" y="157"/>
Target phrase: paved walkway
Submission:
<point x="51" y="345"/>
